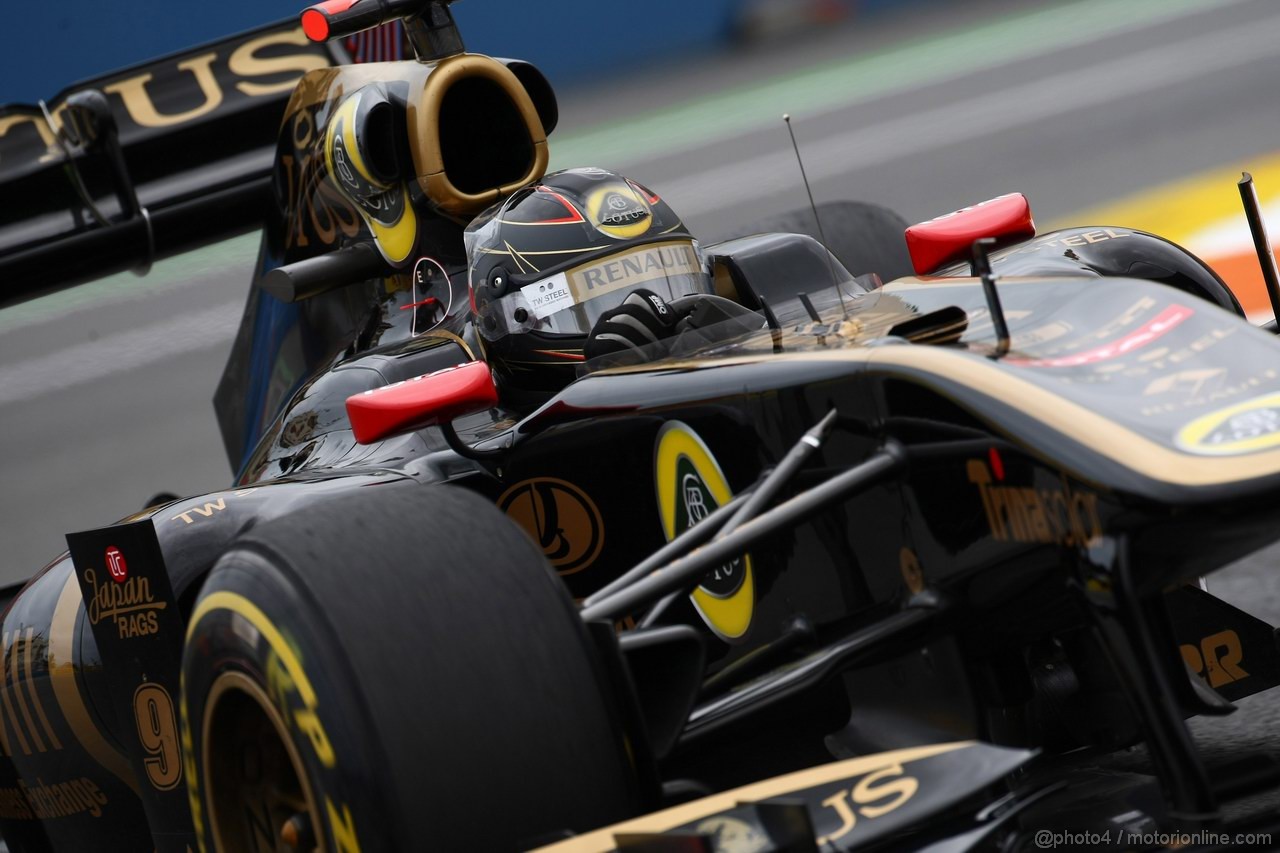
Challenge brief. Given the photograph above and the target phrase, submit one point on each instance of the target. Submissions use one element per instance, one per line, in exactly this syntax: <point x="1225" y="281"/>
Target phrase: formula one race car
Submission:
<point x="857" y="564"/>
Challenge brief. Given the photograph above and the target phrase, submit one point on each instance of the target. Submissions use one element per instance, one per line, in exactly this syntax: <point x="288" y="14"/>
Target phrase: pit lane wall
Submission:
<point x="570" y="40"/>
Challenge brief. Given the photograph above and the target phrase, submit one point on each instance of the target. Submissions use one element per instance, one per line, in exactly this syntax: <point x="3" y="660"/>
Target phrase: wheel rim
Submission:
<point x="254" y="777"/>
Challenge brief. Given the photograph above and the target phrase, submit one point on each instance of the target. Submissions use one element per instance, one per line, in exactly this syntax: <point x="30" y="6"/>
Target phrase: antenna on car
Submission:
<point x="980" y="266"/>
<point x="1266" y="257"/>
<point x="822" y="235"/>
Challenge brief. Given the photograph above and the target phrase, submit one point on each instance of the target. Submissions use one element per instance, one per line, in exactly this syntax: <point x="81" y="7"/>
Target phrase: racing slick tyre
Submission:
<point x="397" y="670"/>
<point x="865" y="237"/>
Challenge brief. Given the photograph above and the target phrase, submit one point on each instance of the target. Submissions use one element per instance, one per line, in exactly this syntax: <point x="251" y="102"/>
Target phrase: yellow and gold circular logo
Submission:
<point x="690" y="487"/>
<point x="616" y="210"/>
<point x="385" y="209"/>
<point x="1243" y="428"/>
<point x="558" y="516"/>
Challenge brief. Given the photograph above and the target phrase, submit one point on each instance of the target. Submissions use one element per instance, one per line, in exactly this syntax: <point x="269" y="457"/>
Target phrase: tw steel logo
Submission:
<point x="560" y="517"/>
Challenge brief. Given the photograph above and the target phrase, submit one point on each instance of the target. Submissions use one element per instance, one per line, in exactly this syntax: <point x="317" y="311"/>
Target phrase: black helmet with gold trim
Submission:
<point x="546" y="262"/>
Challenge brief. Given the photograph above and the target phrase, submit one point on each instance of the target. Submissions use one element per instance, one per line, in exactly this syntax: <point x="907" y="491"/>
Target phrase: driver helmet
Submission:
<point x="547" y="261"/>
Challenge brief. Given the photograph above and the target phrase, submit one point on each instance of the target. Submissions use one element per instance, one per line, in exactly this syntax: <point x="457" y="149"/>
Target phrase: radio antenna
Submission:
<point x="831" y="267"/>
<point x="1262" y="245"/>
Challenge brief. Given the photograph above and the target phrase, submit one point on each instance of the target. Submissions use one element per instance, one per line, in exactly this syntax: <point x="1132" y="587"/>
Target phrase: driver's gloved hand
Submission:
<point x="642" y="319"/>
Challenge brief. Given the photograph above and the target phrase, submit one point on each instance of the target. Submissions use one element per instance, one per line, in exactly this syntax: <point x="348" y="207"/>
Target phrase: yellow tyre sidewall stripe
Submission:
<point x="312" y="732"/>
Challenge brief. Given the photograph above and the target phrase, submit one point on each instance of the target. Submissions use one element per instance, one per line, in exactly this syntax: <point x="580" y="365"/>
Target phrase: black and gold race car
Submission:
<point x="896" y="565"/>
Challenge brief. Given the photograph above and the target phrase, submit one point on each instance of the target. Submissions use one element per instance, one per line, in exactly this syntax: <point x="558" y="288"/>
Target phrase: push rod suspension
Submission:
<point x="687" y="570"/>
<point x="764" y="493"/>
<point x="678" y="547"/>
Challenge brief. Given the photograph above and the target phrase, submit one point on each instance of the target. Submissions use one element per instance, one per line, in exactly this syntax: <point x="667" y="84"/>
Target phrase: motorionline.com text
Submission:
<point x="1049" y="840"/>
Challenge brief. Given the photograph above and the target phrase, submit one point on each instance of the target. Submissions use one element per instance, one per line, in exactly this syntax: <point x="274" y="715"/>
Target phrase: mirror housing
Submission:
<point x="949" y="238"/>
<point x="429" y="400"/>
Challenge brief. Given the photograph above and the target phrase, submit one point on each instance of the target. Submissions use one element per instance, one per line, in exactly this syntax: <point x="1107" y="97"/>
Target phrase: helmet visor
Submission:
<point x="570" y="302"/>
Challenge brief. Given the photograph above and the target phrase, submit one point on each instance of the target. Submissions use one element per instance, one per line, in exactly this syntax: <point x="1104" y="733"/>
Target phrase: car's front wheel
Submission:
<point x="396" y="670"/>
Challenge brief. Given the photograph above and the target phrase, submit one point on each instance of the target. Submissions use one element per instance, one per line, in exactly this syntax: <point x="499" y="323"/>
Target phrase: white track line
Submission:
<point x="1151" y="70"/>
<point x="137" y="348"/>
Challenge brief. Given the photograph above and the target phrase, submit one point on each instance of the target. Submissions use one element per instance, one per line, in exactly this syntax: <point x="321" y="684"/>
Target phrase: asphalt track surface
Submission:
<point x="105" y="390"/>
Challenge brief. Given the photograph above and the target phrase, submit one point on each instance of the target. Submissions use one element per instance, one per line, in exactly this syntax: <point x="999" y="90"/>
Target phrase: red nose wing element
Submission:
<point x="949" y="238"/>
<point x="423" y="401"/>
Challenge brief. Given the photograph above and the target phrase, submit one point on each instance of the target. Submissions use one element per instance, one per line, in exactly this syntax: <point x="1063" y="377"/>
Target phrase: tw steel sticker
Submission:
<point x="206" y="510"/>
<point x="1035" y="516"/>
<point x="1243" y="428"/>
<point x="690" y="487"/>
<point x="1099" y="235"/>
<point x="560" y="517"/>
<point x="1164" y="322"/>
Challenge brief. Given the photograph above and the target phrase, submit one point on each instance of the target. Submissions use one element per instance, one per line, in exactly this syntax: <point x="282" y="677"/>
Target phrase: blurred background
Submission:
<point x="1137" y="113"/>
<point x="567" y="39"/>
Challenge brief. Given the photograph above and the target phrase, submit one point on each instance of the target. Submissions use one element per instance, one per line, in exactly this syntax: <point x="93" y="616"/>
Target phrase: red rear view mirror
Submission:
<point x="950" y="238"/>
<point x="423" y="401"/>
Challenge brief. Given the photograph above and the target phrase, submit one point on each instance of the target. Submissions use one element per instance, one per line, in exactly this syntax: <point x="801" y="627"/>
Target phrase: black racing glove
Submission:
<point x="643" y="318"/>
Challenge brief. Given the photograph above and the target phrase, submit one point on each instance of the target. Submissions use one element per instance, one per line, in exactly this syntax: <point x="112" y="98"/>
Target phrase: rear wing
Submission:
<point x="173" y="153"/>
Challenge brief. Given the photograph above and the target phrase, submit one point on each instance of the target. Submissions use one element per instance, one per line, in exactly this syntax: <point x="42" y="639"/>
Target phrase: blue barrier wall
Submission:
<point x="592" y="39"/>
<point x="53" y="43"/>
<point x="61" y="41"/>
